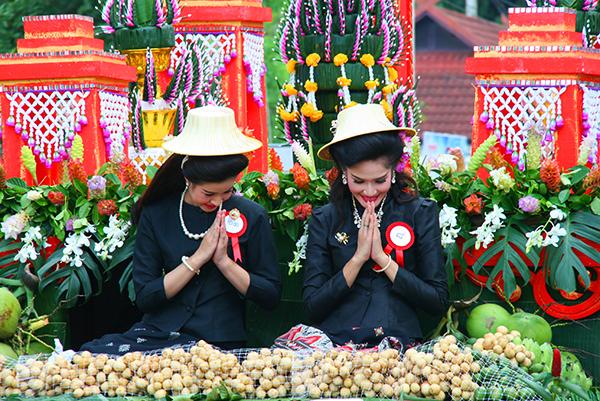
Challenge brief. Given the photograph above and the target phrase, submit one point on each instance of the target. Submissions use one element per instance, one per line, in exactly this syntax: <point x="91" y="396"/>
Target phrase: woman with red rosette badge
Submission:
<point x="374" y="254"/>
<point x="200" y="250"/>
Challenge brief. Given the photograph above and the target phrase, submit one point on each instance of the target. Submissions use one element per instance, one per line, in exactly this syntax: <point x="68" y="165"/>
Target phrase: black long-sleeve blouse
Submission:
<point x="208" y="307"/>
<point x="374" y="306"/>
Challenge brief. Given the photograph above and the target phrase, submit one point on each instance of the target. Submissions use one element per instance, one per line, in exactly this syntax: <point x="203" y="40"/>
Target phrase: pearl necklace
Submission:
<point x="185" y="230"/>
<point x="358" y="219"/>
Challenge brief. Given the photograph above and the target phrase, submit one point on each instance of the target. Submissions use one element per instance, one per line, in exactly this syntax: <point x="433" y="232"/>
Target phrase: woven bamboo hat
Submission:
<point x="211" y="131"/>
<point x="362" y="119"/>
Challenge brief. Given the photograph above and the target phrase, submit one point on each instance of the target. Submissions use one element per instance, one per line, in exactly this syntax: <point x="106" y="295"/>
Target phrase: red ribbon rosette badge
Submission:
<point x="400" y="236"/>
<point x="235" y="225"/>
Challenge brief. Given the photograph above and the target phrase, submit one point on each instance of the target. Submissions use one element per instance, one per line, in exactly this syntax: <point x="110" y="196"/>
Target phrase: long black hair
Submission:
<point x="170" y="177"/>
<point x="386" y="145"/>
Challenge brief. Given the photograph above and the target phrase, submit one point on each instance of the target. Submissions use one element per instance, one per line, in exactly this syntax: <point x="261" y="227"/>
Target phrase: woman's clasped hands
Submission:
<point x="369" y="239"/>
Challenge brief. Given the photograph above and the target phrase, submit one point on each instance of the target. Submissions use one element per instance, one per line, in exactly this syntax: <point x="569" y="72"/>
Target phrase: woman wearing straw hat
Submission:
<point x="200" y="251"/>
<point x="374" y="254"/>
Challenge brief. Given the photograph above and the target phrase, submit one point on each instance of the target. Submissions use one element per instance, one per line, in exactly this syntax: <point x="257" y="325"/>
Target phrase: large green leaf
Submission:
<point x="509" y="239"/>
<point x="562" y="263"/>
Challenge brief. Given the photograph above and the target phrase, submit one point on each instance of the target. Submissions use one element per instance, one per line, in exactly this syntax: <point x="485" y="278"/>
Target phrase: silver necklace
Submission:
<point x="358" y="219"/>
<point x="185" y="230"/>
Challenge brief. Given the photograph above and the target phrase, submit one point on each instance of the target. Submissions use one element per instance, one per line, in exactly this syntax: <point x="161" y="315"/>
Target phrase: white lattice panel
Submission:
<point x="254" y="61"/>
<point x="513" y="111"/>
<point x="114" y="120"/>
<point x="48" y="120"/>
<point x="146" y="157"/>
<point x="591" y="136"/>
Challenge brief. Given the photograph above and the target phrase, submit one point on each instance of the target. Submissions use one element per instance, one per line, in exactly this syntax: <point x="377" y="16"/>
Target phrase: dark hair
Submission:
<point x="387" y="145"/>
<point x="170" y="177"/>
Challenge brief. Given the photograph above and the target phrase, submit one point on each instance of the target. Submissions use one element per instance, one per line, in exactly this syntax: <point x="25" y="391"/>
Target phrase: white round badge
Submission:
<point x="400" y="236"/>
<point x="234" y="226"/>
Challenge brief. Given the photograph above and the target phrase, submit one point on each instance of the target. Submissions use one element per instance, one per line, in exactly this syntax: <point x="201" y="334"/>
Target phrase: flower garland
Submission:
<point x="310" y="109"/>
<point x="343" y="82"/>
<point x="369" y="61"/>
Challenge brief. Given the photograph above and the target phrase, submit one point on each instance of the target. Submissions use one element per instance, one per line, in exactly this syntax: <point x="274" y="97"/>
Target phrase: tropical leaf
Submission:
<point x="509" y="239"/>
<point x="561" y="262"/>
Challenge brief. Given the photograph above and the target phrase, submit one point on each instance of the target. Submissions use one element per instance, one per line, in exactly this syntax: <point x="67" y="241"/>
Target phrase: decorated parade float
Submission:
<point x="82" y="130"/>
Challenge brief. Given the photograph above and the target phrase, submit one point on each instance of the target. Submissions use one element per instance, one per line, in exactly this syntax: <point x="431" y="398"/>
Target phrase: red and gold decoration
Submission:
<point x="60" y="84"/>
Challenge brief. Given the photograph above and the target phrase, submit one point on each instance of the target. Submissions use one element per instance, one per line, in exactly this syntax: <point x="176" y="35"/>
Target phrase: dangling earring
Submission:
<point x="344" y="179"/>
<point x="393" y="177"/>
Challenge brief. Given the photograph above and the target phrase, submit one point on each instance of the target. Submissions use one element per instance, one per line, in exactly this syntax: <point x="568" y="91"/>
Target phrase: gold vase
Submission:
<point x="157" y="124"/>
<point x="137" y="58"/>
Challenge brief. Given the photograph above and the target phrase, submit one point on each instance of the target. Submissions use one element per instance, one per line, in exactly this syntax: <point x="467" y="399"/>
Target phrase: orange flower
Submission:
<point x="287" y="115"/>
<point x="301" y="177"/>
<point x="56" y="198"/>
<point x="302" y="212"/>
<point x="388" y="89"/>
<point x="370" y="85"/>
<point x="291" y="66"/>
<point x="550" y="174"/>
<point x="273" y="191"/>
<point x="274" y="161"/>
<point x="473" y="204"/>
<point x="76" y="171"/>
<point x="130" y="175"/>
<point x="332" y="174"/>
<point x="290" y="90"/>
<point x="497" y="160"/>
<point x="107" y="207"/>
<point x="340" y="59"/>
<point x="311" y="86"/>
<point x="591" y="183"/>
<point x="393" y="74"/>
<point x="343" y="82"/>
<point x="367" y="60"/>
<point x="313" y="60"/>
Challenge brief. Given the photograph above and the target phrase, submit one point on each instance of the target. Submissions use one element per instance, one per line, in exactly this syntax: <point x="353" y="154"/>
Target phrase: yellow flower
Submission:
<point x="387" y="61"/>
<point x="307" y="109"/>
<point x="288" y="116"/>
<point x="340" y="59"/>
<point x="367" y="60"/>
<point x="351" y="104"/>
<point x="372" y="84"/>
<point x="313" y="60"/>
<point x="342" y="81"/>
<point x="389" y="89"/>
<point x="387" y="109"/>
<point x="290" y="90"/>
<point x="311" y="86"/>
<point x="316" y="116"/>
<point x="291" y="66"/>
<point x="393" y="74"/>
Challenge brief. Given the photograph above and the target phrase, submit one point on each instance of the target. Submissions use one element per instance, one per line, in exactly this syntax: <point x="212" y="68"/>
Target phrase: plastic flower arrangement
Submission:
<point x="519" y="221"/>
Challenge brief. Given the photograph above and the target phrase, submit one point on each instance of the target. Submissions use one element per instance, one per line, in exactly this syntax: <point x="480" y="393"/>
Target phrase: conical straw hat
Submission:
<point x="358" y="120"/>
<point x="211" y="131"/>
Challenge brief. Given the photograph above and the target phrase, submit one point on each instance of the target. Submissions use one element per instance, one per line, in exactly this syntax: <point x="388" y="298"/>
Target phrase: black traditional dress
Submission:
<point x="374" y="307"/>
<point x="209" y="307"/>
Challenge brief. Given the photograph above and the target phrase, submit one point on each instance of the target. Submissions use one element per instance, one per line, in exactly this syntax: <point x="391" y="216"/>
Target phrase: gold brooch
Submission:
<point x="342" y="238"/>
<point x="234" y="214"/>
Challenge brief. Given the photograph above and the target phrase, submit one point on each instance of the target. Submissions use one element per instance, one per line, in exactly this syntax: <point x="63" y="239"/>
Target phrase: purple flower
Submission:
<point x="97" y="183"/>
<point x="529" y="204"/>
<point x="69" y="225"/>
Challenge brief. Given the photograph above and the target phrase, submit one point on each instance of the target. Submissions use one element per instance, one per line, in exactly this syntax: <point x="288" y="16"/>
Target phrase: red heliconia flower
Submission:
<point x="332" y="174"/>
<point x="76" y="171"/>
<point x="301" y="177"/>
<point x="107" y="207"/>
<point x="550" y="174"/>
<point x="273" y="191"/>
<point x="473" y="204"/>
<point x="274" y="161"/>
<point x="302" y="212"/>
<point x="130" y="175"/>
<point x="56" y="198"/>
<point x="556" y="363"/>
